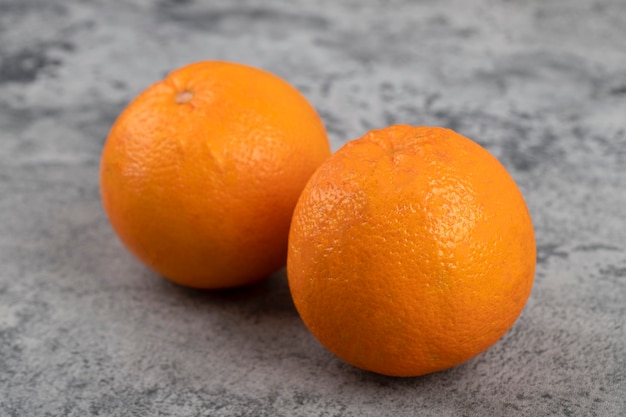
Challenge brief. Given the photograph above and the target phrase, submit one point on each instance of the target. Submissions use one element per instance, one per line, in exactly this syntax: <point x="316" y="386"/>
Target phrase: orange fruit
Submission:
<point x="411" y="250"/>
<point x="200" y="173"/>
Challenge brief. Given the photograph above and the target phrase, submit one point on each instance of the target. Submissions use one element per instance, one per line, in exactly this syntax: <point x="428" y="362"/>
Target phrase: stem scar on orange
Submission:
<point x="200" y="173"/>
<point x="411" y="250"/>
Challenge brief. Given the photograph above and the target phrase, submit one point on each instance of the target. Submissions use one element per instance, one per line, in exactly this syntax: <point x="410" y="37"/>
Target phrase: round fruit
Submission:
<point x="411" y="250"/>
<point x="200" y="173"/>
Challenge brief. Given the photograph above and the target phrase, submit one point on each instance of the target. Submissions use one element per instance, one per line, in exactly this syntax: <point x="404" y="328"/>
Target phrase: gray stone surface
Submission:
<point x="85" y="330"/>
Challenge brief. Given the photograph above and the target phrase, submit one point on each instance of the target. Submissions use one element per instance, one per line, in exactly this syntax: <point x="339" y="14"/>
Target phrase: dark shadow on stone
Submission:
<point x="270" y="296"/>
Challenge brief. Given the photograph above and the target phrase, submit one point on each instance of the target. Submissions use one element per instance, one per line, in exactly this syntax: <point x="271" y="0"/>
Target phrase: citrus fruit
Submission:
<point x="411" y="250"/>
<point x="200" y="173"/>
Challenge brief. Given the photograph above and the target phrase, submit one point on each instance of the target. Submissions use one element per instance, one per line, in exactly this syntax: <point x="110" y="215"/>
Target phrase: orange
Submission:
<point x="411" y="250"/>
<point x="200" y="173"/>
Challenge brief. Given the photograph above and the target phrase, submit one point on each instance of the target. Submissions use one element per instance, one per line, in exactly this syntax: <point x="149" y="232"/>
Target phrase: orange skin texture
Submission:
<point x="200" y="173"/>
<point x="411" y="250"/>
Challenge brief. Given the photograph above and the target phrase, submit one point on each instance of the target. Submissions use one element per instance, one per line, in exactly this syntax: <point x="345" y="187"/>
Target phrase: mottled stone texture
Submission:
<point x="85" y="330"/>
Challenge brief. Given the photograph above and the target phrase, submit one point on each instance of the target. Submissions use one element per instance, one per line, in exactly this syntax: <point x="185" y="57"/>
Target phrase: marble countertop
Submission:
<point x="85" y="330"/>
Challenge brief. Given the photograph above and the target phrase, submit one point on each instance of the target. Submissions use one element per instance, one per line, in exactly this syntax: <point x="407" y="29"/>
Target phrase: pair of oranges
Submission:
<point x="408" y="251"/>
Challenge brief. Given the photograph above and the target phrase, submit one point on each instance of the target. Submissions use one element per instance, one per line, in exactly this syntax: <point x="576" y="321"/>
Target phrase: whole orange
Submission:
<point x="200" y="173"/>
<point x="411" y="250"/>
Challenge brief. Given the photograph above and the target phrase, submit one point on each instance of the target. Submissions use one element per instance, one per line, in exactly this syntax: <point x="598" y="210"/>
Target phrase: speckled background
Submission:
<point x="85" y="330"/>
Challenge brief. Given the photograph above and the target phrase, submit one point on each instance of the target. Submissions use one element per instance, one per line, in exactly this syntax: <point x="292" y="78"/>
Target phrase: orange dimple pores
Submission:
<point x="411" y="250"/>
<point x="201" y="172"/>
